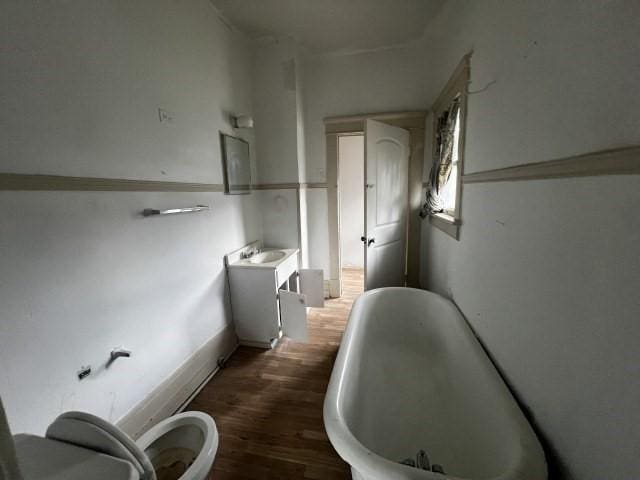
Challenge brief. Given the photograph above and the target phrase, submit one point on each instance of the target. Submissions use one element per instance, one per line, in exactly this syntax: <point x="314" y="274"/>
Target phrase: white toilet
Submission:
<point x="186" y="441"/>
<point x="78" y="446"/>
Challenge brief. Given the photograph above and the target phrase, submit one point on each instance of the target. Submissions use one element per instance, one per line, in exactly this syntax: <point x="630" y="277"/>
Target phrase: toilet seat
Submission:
<point x="173" y="426"/>
<point x="46" y="459"/>
<point x="88" y="431"/>
<point x="187" y="440"/>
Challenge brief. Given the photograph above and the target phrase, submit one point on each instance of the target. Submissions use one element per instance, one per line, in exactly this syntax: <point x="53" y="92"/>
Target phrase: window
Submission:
<point x="448" y="191"/>
<point x="443" y="193"/>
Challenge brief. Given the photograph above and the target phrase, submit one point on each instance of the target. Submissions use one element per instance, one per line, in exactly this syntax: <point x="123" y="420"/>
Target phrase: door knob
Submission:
<point x="368" y="243"/>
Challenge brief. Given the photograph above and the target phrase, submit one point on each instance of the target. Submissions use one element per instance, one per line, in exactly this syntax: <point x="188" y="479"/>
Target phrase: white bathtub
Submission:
<point x="410" y="375"/>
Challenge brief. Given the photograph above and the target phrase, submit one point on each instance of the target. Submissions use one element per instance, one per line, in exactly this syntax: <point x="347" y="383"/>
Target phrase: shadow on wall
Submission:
<point x="279" y="210"/>
<point x="555" y="466"/>
<point x="218" y="288"/>
<point x="434" y="276"/>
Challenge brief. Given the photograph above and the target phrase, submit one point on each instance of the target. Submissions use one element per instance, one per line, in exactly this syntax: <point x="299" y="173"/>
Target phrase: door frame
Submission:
<point x="335" y="127"/>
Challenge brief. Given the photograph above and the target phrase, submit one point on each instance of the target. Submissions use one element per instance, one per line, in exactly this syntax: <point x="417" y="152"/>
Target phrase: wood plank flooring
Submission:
<point x="268" y="404"/>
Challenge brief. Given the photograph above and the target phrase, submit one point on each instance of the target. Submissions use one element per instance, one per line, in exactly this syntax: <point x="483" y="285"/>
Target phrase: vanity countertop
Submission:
<point x="265" y="259"/>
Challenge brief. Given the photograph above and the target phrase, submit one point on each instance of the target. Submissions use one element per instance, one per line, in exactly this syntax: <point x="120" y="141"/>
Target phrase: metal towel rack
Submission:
<point x="147" y="212"/>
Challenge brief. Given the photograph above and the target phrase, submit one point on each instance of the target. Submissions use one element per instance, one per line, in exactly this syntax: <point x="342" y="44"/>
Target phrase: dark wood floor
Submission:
<point x="268" y="404"/>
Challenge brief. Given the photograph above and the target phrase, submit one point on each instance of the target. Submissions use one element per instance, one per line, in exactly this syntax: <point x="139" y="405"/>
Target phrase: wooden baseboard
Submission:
<point x="172" y="394"/>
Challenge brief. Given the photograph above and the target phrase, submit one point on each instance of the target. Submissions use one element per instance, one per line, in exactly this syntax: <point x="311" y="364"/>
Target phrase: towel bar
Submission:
<point x="147" y="212"/>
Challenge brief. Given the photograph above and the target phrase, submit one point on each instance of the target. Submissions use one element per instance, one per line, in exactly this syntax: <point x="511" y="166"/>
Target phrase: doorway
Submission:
<point x="351" y="204"/>
<point x="339" y="128"/>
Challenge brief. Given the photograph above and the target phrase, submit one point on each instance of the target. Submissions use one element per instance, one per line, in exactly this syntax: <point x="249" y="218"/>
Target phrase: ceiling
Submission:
<point x="324" y="26"/>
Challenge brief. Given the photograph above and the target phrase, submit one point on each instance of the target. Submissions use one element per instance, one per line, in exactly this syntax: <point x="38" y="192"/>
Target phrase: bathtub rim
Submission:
<point x="352" y="451"/>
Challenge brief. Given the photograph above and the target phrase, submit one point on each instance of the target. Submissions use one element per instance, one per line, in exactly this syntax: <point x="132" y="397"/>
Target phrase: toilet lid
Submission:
<point x="88" y="431"/>
<point x="47" y="459"/>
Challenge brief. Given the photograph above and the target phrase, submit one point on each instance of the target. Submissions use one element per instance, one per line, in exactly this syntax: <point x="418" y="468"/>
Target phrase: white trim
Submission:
<point x="420" y="114"/>
<point x="266" y="345"/>
<point x="275" y="186"/>
<point x="174" y="393"/>
<point x="288" y="186"/>
<point x="457" y="86"/>
<point x="618" y="161"/>
<point x="333" y="288"/>
<point x="446" y="217"/>
<point x="205" y="381"/>
<point x="446" y="223"/>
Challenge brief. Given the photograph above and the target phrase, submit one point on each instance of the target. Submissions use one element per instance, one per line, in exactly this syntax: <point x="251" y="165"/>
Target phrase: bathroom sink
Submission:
<point x="267" y="257"/>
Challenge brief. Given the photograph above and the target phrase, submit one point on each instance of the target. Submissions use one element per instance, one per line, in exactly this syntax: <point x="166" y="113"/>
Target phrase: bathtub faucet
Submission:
<point x="423" y="463"/>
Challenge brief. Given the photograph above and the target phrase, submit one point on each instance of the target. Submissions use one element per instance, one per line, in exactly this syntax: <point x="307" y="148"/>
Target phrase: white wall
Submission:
<point x="279" y="212"/>
<point x="303" y="225"/>
<point x="547" y="271"/>
<point x="276" y="111"/>
<point x="83" y="272"/>
<point x="279" y="134"/>
<point x="351" y="191"/>
<point x="337" y="85"/>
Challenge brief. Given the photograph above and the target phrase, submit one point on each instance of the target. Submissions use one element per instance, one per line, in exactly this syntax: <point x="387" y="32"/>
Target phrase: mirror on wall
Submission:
<point x="236" y="165"/>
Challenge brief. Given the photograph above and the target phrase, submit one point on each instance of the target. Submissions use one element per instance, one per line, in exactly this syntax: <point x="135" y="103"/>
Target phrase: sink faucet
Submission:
<point x="249" y="253"/>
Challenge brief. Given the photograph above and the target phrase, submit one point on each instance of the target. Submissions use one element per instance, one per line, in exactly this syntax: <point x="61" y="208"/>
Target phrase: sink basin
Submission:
<point x="267" y="257"/>
<point x="271" y="258"/>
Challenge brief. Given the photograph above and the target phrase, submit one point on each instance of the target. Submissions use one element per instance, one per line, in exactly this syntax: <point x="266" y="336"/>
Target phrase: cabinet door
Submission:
<point x="312" y="285"/>
<point x="293" y="315"/>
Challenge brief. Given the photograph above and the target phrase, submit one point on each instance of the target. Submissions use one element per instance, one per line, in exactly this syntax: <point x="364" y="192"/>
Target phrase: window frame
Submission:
<point x="449" y="222"/>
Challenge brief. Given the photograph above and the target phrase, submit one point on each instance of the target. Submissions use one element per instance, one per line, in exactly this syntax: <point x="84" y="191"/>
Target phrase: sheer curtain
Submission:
<point x="443" y="159"/>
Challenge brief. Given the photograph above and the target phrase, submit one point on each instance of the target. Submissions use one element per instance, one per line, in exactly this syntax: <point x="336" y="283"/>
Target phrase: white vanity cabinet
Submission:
<point x="267" y="300"/>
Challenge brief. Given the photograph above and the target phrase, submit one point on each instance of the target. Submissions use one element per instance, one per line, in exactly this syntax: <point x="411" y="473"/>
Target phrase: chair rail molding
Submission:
<point x="287" y="186"/>
<point x="36" y="182"/>
<point x="619" y="161"/>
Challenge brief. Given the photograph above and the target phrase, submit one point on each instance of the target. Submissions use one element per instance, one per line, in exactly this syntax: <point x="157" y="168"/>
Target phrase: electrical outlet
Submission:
<point x="165" y="116"/>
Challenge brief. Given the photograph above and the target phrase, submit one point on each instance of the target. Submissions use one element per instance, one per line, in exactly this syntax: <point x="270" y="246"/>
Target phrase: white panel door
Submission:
<point x="386" y="204"/>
